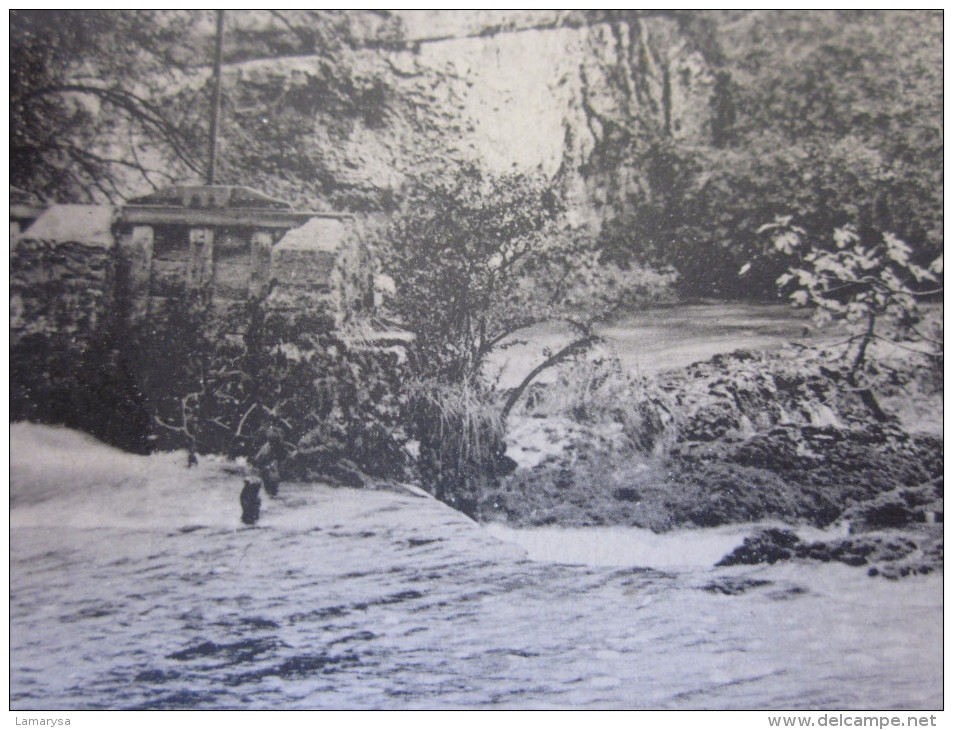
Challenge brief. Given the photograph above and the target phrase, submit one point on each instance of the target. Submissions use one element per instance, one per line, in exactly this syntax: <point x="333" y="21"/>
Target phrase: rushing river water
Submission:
<point x="134" y="586"/>
<point x="662" y="338"/>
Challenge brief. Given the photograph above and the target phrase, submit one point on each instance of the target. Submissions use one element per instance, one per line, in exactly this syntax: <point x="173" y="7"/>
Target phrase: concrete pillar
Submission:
<point x="261" y="242"/>
<point x="201" y="266"/>
<point x="135" y="249"/>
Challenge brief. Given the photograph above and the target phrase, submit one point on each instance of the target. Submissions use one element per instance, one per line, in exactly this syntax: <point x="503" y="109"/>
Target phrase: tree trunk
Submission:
<point x="559" y="357"/>
<point x="862" y="348"/>
<point x="866" y="394"/>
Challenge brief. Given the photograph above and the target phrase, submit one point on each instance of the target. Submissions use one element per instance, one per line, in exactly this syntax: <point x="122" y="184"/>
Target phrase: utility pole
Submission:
<point x="216" y="96"/>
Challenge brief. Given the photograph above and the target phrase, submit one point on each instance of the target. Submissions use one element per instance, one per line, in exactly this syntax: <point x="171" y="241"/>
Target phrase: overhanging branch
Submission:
<point x="571" y="349"/>
<point x="139" y="109"/>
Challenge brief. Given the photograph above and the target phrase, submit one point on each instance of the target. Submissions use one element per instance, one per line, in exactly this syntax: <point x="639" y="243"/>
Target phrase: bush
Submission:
<point x="476" y="259"/>
<point x="868" y="281"/>
<point x="291" y="396"/>
<point x="89" y="387"/>
<point x="595" y="391"/>
<point x="461" y="437"/>
<point x="460" y="253"/>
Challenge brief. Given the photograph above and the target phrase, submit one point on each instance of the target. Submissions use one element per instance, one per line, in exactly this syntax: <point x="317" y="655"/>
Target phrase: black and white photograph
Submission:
<point x="419" y="360"/>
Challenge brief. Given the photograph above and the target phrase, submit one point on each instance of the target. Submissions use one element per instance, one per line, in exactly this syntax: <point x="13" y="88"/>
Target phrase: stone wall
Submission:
<point x="86" y="282"/>
<point x="320" y="262"/>
<point x="64" y="268"/>
<point x="62" y="274"/>
<point x="63" y="307"/>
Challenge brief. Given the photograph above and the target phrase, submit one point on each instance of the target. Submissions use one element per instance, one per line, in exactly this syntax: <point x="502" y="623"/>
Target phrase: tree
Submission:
<point x="107" y="103"/>
<point x="858" y="94"/>
<point x="864" y="280"/>
<point x="476" y="259"/>
<point x="458" y="254"/>
<point x="832" y="116"/>
<point x="85" y="110"/>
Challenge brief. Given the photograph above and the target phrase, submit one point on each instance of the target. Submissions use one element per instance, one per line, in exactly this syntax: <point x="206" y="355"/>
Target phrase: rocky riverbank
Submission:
<point x="749" y="437"/>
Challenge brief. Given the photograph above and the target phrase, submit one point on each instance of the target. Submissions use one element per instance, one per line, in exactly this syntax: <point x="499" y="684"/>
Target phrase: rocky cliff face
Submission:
<point x="551" y="92"/>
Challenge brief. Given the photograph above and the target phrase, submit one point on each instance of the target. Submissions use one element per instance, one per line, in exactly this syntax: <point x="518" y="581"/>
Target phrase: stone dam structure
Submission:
<point x="222" y="244"/>
<point x="79" y="271"/>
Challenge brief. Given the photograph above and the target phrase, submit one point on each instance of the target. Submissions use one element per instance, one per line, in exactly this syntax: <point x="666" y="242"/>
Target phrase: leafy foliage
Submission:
<point x="476" y="259"/>
<point x="833" y="116"/>
<point x="863" y="280"/>
<point x="459" y="254"/>
<point x="292" y="397"/>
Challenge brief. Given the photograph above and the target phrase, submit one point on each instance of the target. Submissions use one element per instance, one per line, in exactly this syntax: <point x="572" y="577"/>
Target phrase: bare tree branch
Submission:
<point x="563" y="354"/>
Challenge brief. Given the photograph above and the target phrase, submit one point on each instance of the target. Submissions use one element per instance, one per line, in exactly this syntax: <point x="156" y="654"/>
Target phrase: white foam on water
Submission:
<point x="633" y="546"/>
<point x="65" y="479"/>
<point x="623" y="546"/>
<point x="397" y="581"/>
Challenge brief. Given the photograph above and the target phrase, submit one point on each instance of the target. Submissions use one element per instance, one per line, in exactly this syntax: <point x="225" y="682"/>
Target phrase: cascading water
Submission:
<point x="134" y="585"/>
